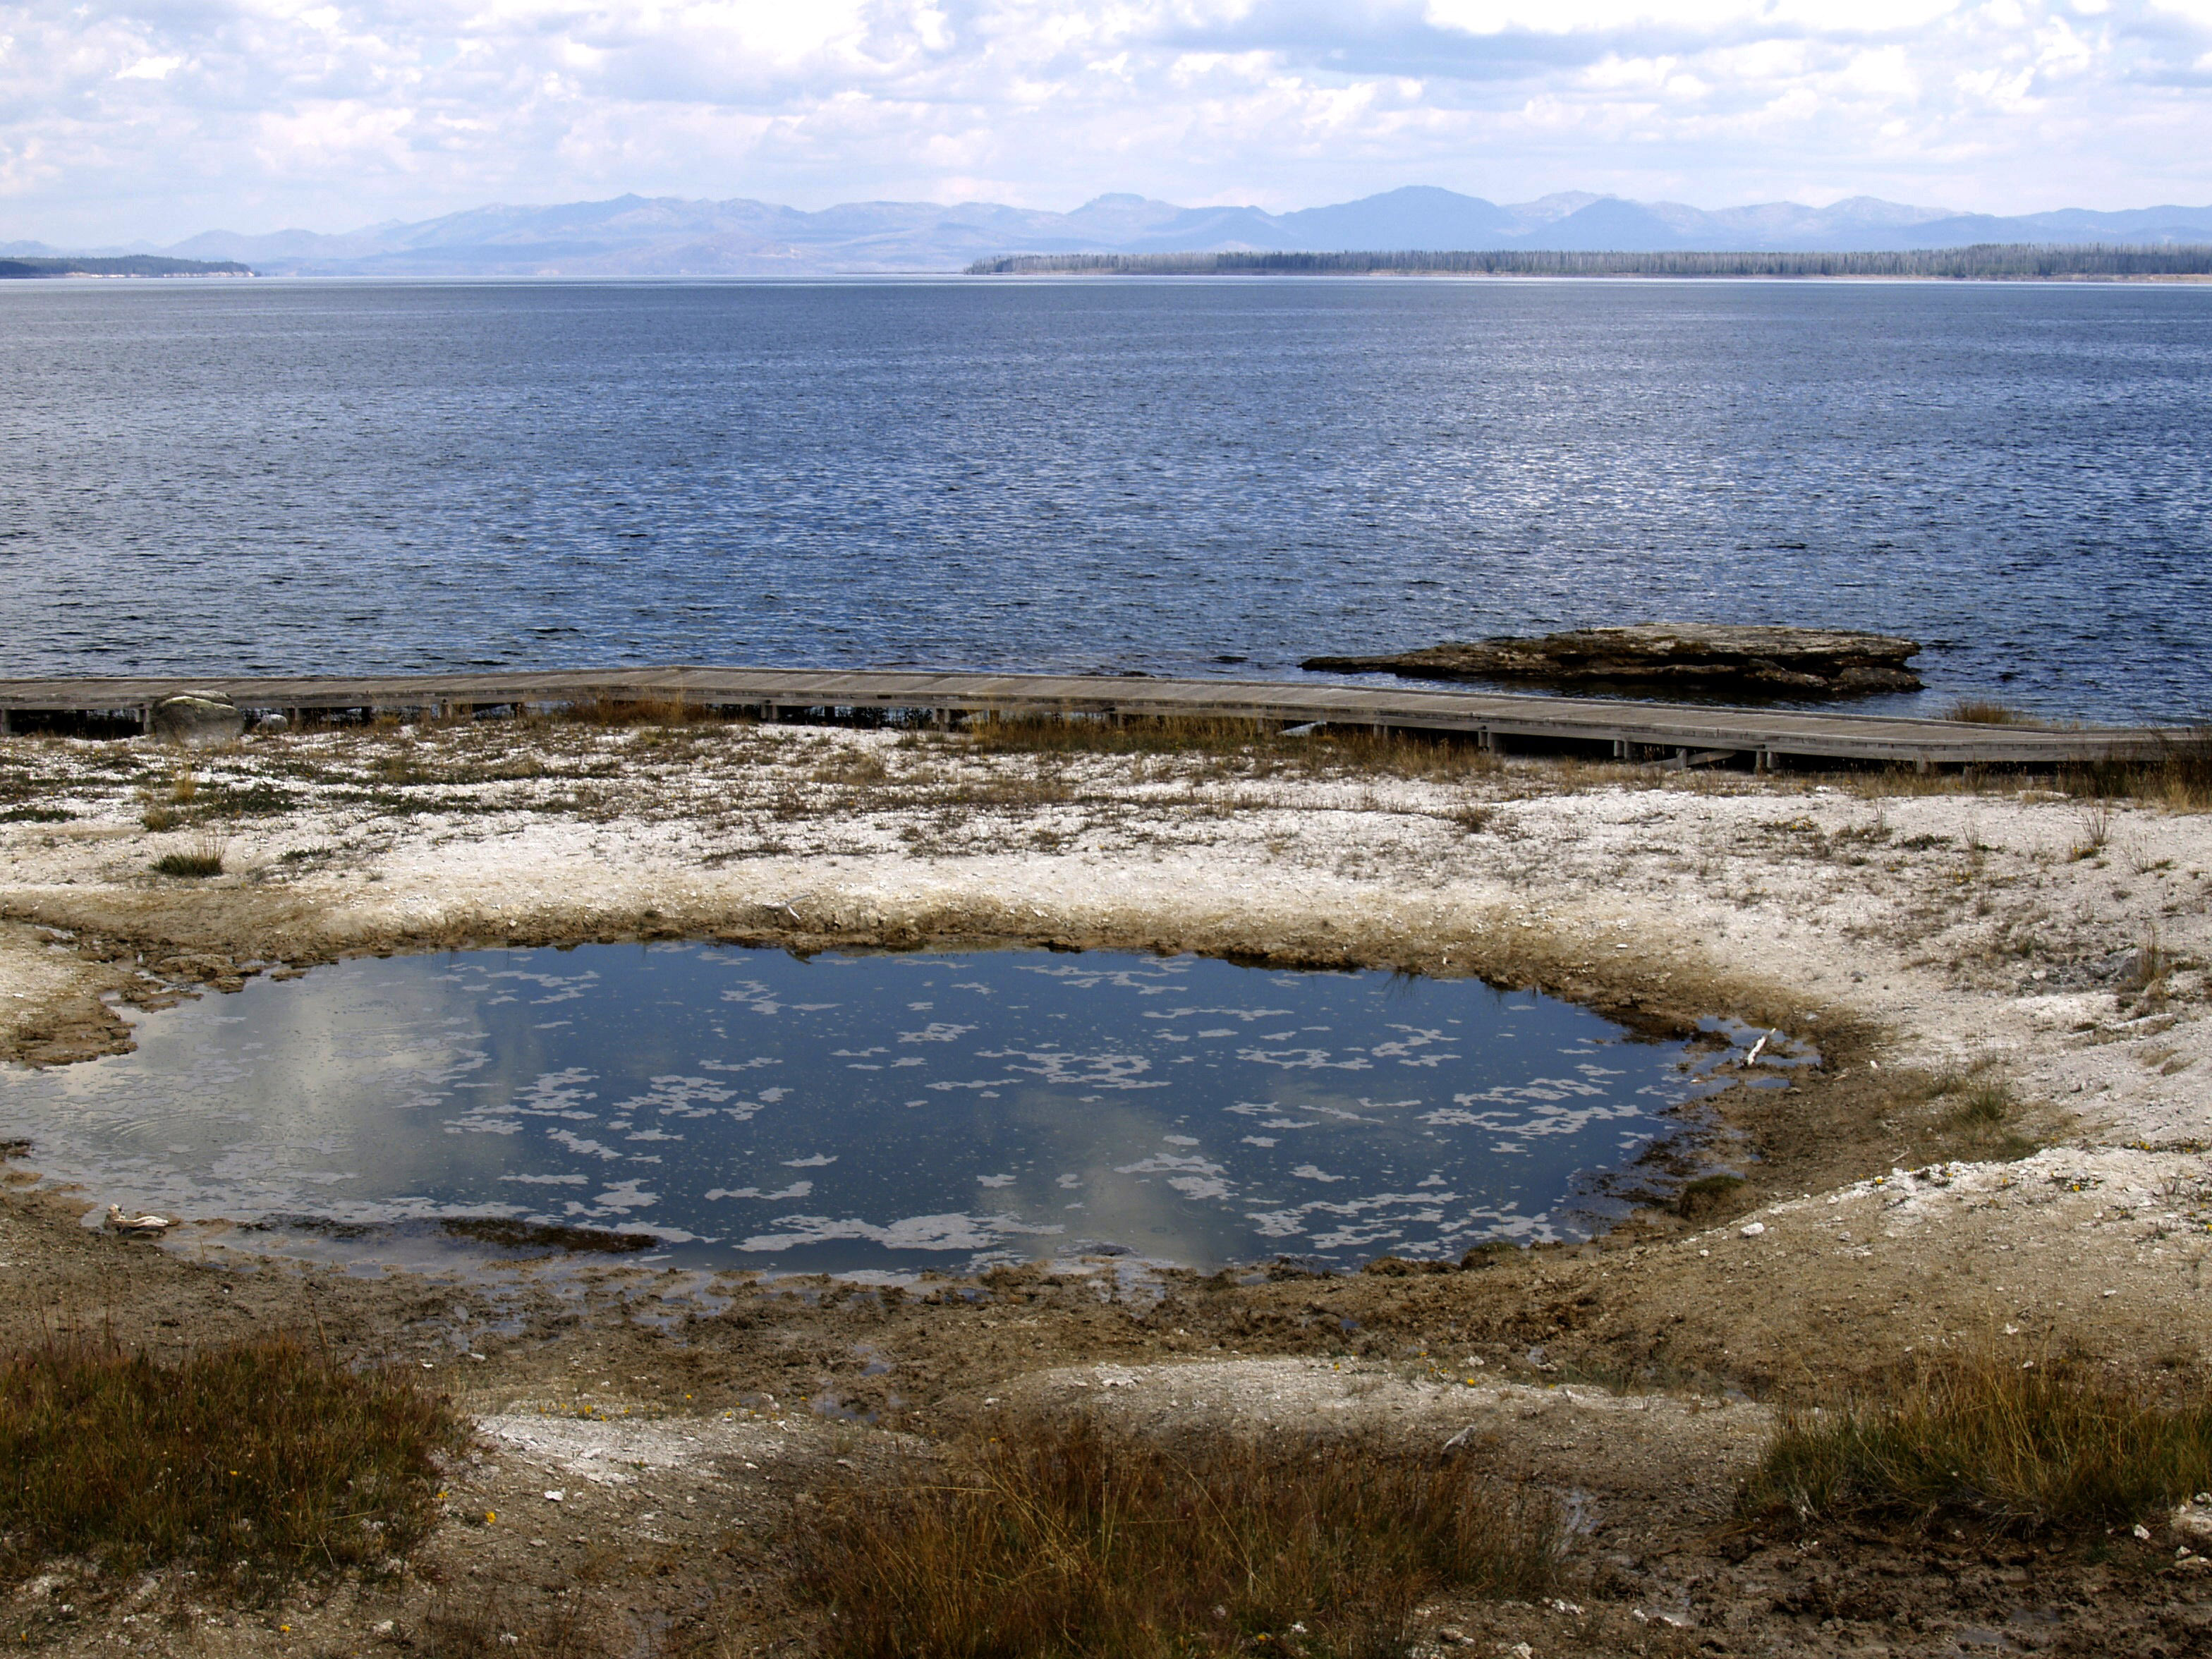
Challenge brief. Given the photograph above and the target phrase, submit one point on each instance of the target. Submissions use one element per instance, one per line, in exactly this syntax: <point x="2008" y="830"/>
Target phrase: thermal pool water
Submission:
<point x="871" y="1113"/>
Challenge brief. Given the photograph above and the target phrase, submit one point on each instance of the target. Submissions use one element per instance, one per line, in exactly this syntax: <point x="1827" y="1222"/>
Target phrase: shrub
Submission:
<point x="1062" y="1537"/>
<point x="267" y="1457"/>
<point x="2016" y="1446"/>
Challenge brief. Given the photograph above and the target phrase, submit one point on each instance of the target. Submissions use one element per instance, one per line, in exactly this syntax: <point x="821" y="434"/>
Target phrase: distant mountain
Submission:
<point x="669" y="236"/>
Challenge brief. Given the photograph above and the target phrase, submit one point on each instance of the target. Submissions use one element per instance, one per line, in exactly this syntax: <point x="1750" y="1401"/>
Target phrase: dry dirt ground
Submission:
<point x="2003" y="1144"/>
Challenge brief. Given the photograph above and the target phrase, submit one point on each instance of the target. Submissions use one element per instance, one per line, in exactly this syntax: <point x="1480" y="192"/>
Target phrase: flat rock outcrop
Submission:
<point x="1804" y="662"/>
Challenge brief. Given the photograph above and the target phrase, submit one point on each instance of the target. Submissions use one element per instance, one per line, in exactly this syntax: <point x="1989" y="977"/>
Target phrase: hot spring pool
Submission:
<point x="871" y="1113"/>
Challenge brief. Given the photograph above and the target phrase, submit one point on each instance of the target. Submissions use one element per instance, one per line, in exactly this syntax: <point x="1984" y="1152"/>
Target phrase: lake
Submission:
<point x="1174" y="478"/>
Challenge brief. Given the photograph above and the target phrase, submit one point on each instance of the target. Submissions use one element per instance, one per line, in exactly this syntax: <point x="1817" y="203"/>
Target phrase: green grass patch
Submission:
<point x="2013" y="1443"/>
<point x="1062" y="1538"/>
<point x="266" y="1459"/>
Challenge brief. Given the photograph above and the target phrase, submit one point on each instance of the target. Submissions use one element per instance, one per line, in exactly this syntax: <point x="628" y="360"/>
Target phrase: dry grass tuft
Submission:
<point x="1065" y="1537"/>
<point x="1986" y="1101"/>
<point x="2018" y="1446"/>
<point x="2181" y="777"/>
<point x="1981" y="711"/>
<point x="203" y="858"/>
<point x="267" y="1459"/>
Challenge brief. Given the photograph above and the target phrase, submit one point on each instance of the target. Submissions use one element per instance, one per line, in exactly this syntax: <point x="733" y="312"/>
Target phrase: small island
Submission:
<point x="1680" y="657"/>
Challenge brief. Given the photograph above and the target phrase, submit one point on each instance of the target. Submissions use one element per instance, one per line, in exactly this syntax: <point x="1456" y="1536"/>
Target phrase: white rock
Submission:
<point x="1753" y="1230"/>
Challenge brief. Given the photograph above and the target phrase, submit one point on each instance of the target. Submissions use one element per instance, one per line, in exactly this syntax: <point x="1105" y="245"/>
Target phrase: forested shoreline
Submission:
<point x="129" y="265"/>
<point x="1984" y="261"/>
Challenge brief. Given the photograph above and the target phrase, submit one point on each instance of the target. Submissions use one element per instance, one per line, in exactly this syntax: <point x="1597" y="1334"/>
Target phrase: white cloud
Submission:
<point x="130" y="118"/>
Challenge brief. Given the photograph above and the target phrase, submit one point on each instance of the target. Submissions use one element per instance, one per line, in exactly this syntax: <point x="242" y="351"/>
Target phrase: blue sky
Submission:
<point x="126" y="118"/>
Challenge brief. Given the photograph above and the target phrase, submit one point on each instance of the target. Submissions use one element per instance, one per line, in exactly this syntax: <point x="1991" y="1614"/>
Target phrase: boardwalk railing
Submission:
<point x="1686" y="733"/>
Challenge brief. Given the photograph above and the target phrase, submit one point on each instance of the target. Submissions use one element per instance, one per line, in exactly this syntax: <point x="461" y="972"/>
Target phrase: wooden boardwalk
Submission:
<point x="1684" y="734"/>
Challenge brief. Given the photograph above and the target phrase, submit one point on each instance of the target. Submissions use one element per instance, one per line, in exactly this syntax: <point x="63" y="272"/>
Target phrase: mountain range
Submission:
<point x="669" y="236"/>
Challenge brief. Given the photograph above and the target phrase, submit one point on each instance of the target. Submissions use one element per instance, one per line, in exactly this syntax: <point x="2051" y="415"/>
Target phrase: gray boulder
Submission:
<point x="196" y="722"/>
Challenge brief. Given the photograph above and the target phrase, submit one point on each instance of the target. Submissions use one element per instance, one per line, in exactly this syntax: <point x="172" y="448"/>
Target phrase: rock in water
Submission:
<point x="196" y="722"/>
<point x="1801" y="662"/>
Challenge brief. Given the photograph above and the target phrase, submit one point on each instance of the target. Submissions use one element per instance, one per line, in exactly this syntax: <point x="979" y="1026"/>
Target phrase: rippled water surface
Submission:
<point x="1185" y="477"/>
<point x="852" y="1114"/>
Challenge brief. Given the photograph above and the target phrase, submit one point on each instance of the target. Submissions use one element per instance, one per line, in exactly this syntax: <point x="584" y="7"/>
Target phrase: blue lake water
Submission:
<point x="872" y="1113"/>
<point x="1175" y="477"/>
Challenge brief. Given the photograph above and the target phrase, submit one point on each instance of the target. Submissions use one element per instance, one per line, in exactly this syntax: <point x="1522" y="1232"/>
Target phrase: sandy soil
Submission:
<point x="2003" y="1144"/>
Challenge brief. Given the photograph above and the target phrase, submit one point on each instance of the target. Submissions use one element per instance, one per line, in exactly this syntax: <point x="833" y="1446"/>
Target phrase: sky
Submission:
<point x="130" y="119"/>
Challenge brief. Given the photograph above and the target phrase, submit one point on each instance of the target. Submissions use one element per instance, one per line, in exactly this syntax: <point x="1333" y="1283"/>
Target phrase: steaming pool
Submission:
<point x="867" y="1114"/>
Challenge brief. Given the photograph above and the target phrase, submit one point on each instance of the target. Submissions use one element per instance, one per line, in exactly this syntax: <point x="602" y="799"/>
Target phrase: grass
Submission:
<point x="1065" y="1538"/>
<point x="2013" y="1446"/>
<point x="1984" y="1101"/>
<point x="2180" y="776"/>
<point x="1981" y="711"/>
<point x="267" y="1459"/>
<point x="202" y="858"/>
<point x="2096" y="831"/>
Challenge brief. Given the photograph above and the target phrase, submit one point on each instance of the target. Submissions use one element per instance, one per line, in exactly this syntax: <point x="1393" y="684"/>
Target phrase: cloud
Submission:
<point x="127" y="118"/>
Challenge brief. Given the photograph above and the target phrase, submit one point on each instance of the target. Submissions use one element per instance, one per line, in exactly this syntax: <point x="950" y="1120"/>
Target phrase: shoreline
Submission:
<point x="1922" y="934"/>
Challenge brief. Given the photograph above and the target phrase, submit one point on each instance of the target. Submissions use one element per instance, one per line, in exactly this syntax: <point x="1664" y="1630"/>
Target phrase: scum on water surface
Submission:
<point x="874" y="1113"/>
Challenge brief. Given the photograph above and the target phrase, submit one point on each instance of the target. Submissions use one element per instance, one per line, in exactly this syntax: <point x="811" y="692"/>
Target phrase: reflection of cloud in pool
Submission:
<point x="1060" y="1069"/>
<point x="1188" y="1174"/>
<point x="1152" y="979"/>
<point x="618" y="1199"/>
<point x="1303" y="1059"/>
<point x="677" y="1097"/>
<point x="1246" y="1014"/>
<point x="760" y="996"/>
<point x="1407" y="1050"/>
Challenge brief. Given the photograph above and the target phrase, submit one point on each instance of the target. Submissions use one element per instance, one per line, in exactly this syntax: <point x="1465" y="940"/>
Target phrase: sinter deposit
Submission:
<point x="1794" y="661"/>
